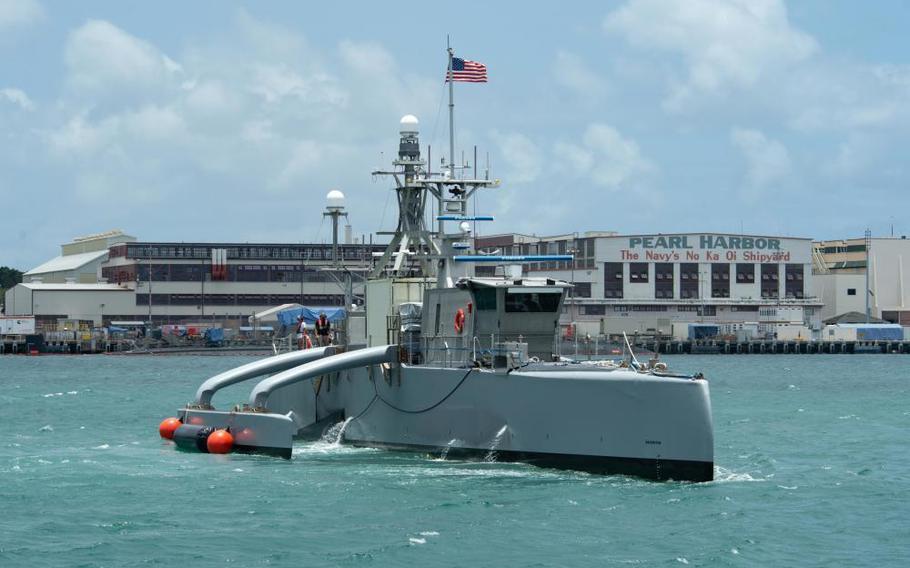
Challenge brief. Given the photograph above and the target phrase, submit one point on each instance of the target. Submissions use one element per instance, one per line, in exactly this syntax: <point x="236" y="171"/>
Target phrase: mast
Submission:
<point x="451" y="53"/>
<point x="414" y="183"/>
<point x="451" y="110"/>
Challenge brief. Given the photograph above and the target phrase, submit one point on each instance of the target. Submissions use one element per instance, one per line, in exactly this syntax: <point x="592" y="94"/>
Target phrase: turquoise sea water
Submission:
<point x="811" y="452"/>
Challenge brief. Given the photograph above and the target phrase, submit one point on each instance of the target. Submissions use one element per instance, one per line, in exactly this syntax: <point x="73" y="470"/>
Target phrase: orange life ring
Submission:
<point x="459" y="321"/>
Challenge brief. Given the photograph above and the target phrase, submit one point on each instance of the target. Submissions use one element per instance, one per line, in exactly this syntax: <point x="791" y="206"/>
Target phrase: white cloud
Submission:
<point x="277" y="82"/>
<point x="17" y="97"/>
<point x="100" y="57"/>
<point x="255" y="123"/>
<point x="606" y="157"/>
<point x="572" y="72"/>
<point x="15" y="13"/>
<point x="523" y="158"/>
<point x="767" y="160"/>
<point x="726" y="45"/>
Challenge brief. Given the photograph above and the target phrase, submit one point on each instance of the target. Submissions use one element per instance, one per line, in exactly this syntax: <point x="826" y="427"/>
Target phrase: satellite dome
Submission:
<point x="409" y="123"/>
<point x="335" y="199"/>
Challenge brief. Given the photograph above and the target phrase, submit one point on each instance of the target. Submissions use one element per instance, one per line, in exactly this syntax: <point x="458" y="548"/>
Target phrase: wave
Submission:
<point x="724" y="475"/>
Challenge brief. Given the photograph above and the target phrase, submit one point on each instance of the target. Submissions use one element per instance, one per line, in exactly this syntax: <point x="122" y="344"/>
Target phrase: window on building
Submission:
<point x="663" y="280"/>
<point x="613" y="280"/>
<point x="594" y="310"/>
<point x="745" y="273"/>
<point x="793" y="285"/>
<point x="851" y="291"/>
<point x="688" y="280"/>
<point x="720" y="280"/>
<point x="581" y="290"/>
<point x="638" y="272"/>
<point x="770" y="281"/>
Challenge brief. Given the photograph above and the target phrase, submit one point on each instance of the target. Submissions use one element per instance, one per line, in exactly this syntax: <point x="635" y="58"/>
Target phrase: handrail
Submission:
<point x="256" y="369"/>
<point x="348" y="360"/>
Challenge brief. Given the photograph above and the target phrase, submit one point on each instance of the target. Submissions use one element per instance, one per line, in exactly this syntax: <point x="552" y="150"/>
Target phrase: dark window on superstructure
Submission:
<point x="663" y="280"/>
<point x="851" y="291"/>
<point x="532" y="302"/>
<point x="770" y="281"/>
<point x="720" y="280"/>
<point x="638" y="272"/>
<point x="745" y="273"/>
<point x="793" y="286"/>
<point x="613" y="280"/>
<point x="688" y="280"/>
<point x="485" y="299"/>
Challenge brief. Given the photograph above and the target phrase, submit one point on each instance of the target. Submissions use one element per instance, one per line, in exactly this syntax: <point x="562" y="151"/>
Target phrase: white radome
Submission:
<point x="409" y="123"/>
<point x="335" y="199"/>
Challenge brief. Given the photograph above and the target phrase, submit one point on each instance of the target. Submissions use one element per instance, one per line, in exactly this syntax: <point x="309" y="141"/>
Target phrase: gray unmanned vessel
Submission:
<point x="460" y="365"/>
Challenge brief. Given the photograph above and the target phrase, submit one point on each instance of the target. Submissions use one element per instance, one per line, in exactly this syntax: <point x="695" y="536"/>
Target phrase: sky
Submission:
<point x="221" y="121"/>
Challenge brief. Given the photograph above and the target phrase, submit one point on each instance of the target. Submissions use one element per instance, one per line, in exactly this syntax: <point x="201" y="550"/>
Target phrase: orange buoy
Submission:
<point x="168" y="426"/>
<point x="219" y="442"/>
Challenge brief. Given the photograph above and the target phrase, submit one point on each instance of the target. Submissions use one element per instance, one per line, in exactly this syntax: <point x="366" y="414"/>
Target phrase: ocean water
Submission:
<point x="811" y="453"/>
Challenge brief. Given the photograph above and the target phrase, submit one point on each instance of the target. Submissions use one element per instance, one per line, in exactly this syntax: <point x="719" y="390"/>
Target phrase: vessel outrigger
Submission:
<point x="462" y="366"/>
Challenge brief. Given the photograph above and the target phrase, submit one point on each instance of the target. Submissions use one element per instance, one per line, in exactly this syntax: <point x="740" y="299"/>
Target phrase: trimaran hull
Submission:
<point x="603" y="421"/>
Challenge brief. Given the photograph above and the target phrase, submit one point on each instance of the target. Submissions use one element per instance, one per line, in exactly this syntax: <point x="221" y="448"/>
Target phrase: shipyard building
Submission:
<point x="841" y="270"/>
<point x="660" y="284"/>
<point x="113" y="277"/>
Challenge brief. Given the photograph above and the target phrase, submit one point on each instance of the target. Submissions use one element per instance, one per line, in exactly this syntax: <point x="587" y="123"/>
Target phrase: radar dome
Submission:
<point x="409" y="123"/>
<point x="335" y="199"/>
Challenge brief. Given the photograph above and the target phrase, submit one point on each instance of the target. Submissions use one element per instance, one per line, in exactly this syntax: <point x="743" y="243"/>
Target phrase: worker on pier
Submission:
<point x="303" y="338"/>
<point x="323" y="330"/>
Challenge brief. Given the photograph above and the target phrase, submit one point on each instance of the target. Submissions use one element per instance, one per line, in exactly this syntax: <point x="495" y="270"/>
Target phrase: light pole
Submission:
<point x="572" y="309"/>
<point x="335" y="209"/>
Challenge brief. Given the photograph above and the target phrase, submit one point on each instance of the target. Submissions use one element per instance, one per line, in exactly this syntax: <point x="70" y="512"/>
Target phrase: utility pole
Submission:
<point x="868" y="268"/>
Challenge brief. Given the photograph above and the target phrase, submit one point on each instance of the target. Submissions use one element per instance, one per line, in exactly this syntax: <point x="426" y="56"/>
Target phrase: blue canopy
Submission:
<point x="214" y="334"/>
<point x="289" y="316"/>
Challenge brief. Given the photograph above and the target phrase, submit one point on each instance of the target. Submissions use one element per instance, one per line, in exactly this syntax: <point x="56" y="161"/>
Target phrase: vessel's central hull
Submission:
<point x="603" y="422"/>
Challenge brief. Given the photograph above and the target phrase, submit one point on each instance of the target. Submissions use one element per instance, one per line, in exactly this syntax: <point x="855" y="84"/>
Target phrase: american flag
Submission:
<point x="467" y="71"/>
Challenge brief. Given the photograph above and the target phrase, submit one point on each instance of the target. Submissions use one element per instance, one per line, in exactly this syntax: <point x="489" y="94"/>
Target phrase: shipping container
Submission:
<point x="876" y="331"/>
<point x="836" y="333"/>
<point x="793" y="333"/>
<point x="17" y="325"/>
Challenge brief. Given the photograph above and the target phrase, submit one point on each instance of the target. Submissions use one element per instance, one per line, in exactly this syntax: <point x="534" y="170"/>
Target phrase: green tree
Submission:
<point x="9" y="277"/>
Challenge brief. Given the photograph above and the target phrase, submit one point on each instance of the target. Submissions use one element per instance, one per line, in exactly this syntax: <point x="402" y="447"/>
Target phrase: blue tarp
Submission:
<point x="288" y="317"/>
<point x="214" y="334"/>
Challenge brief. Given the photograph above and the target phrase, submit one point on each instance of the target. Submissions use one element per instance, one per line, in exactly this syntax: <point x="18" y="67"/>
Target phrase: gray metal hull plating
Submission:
<point x="615" y="421"/>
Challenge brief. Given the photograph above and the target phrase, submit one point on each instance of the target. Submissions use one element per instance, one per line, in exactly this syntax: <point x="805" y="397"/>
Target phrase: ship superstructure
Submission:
<point x="460" y="365"/>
